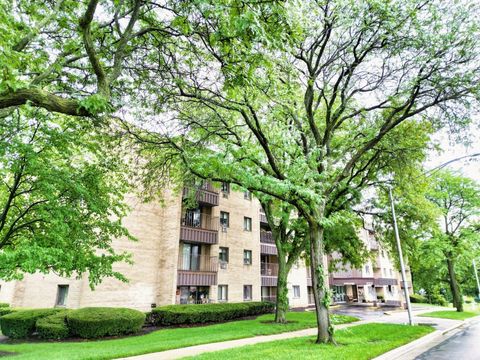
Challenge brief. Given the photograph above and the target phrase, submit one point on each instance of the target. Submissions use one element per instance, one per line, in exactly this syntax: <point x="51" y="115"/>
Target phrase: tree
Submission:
<point x="309" y="102"/>
<point x="61" y="198"/>
<point x="458" y="199"/>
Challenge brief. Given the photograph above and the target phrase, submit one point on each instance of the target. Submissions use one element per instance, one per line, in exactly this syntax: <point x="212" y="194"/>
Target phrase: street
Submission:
<point x="464" y="345"/>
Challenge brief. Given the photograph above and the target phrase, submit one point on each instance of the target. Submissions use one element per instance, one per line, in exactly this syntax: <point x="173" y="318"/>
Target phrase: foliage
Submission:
<point x="61" y="198"/>
<point x="95" y="322"/>
<point x="207" y="313"/>
<point x="360" y="342"/>
<point x="4" y="305"/>
<point x="449" y="314"/>
<point x="417" y="298"/>
<point x="6" y="310"/>
<point x="21" y="324"/>
<point x="53" y="326"/>
<point x="166" y="339"/>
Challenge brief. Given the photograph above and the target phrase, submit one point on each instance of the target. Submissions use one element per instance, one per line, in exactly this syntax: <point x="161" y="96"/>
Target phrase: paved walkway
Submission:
<point x="396" y="317"/>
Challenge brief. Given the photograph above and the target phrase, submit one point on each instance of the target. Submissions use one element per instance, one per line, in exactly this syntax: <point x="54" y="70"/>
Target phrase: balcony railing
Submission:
<point x="201" y="228"/>
<point x="197" y="263"/>
<point x="268" y="269"/>
<point x="205" y="194"/>
<point x="385" y="281"/>
<point x="271" y="298"/>
<point x="263" y="217"/>
<point x="266" y="237"/>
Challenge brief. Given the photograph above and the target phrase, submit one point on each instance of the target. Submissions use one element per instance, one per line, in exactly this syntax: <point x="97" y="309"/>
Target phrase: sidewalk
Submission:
<point x="396" y="317"/>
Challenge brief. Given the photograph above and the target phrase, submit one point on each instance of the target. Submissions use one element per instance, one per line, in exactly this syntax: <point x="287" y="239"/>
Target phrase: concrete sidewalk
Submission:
<point x="395" y="317"/>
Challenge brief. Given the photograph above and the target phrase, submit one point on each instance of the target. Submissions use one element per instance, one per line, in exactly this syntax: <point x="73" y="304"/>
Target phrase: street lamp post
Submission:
<point x="400" y="255"/>
<point x="476" y="277"/>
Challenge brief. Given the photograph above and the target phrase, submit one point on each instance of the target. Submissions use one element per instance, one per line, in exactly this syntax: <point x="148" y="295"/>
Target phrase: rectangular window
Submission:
<point x="224" y="219"/>
<point x="247" y="257"/>
<point x="296" y="291"/>
<point x="247" y="224"/>
<point x="223" y="254"/>
<point x="62" y="293"/>
<point x="225" y="188"/>
<point x="247" y="292"/>
<point x="247" y="195"/>
<point x="222" y="292"/>
<point x="367" y="269"/>
<point x="191" y="256"/>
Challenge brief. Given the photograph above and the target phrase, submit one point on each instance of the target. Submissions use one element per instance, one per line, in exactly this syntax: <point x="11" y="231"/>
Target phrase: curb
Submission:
<point x="417" y="347"/>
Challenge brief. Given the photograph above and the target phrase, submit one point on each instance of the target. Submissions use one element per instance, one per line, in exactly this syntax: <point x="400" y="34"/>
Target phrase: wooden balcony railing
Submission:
<point x="205" y="194"/>
<point x="268" y="269"/>
<point x="385" y="281"/>
<point x="201" y="229"/>
<point x="266" y="237"/>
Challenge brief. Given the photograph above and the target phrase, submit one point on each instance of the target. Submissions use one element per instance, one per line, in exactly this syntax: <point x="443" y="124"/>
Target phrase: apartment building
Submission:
<point x="220" y="251"/>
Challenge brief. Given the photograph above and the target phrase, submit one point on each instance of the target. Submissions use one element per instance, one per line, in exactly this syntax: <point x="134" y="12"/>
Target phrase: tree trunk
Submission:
<point x="455" y="289"/>
<point x="319" y="284"/>
<point x="282" y="290"/>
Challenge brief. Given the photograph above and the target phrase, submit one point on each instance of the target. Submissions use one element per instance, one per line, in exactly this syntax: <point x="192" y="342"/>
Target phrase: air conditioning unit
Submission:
<point x="224" y="228"/>
<point x="225" y="195"/>
<point x="223" y="265"/>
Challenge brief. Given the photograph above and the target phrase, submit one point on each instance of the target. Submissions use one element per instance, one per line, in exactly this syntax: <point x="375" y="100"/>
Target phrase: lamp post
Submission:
<point x="476" y="277"/>
<point x="400" y="255"/>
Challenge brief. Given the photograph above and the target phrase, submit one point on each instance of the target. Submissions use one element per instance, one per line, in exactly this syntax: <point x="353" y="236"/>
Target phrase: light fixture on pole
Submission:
<point x="400" y="256"/>
<point x="476" y="277"/>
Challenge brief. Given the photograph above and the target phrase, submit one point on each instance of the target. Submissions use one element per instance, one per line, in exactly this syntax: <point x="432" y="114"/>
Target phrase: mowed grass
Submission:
<point x="359" y="342"/>
<point x="165" y="339"/>
<point x="451" y="314"/>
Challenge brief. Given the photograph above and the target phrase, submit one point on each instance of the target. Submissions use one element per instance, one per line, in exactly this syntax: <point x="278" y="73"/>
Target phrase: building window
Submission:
<point x="190" y="257"/>
<point x="62" y="293"/>
<point x="225" y="188"/>
<point x="367" y="270"/>
<point x="223" y="254"/>
<point x="247" y="257"/>
<point x="247" y="292"/>
<point x="296" y="291"/>
<point x="224" y="219"/>
<point x="247" y="195"/>
<point x="222" y="292"/>
<point x="247" y="224"/>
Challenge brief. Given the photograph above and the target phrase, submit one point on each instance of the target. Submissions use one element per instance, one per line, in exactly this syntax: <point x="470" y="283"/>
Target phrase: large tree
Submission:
<point x="309" y="102"/>
<point x="61" y="198"/>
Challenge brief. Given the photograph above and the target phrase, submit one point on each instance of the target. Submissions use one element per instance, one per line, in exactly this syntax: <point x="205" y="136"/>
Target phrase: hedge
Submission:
<point x="207" y="313"/>
<point x="4" y="305"/>
<point x="417" y="298"/>
<point x="96" y="322"/>
<point x="21" y="324"/>
<point x="5" y="311"/>
<point x="53" y="326"/>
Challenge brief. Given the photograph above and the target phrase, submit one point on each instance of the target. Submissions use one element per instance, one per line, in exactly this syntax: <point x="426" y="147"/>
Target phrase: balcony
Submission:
<point x="199" y="228"/>
<point x="402" y="284"/>
<point x="385" y="281"/>
<point x="272" y="298"/>
<point x="269" y="272"/>
<point x="268" y="249"/>
<point x="205" y="194"/>
<point x="197" y="270"/>
<point x="263" y="217"/>
<point x="266" y="237"/>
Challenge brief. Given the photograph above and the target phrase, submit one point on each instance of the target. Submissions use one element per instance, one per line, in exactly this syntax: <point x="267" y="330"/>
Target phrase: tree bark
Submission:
<point x="319" y="284"/>
<point x="455" y="289"/>
<point x="282" y="304"/>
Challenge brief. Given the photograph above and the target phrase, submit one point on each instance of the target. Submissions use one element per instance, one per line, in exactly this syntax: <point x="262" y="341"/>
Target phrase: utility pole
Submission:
<point x="400" y="255"/>
<point x="476" y="277"/>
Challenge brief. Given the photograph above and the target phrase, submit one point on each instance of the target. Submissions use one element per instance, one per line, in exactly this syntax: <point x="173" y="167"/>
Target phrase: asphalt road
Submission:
<point x="464" y="345"/>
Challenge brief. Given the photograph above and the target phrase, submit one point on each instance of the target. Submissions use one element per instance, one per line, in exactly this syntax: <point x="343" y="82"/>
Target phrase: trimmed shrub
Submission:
<point x="21" y="324"/>
<point x="207" y="313"/>
<point x="4" y="305"/>
<point x="417" y="298"/>
<point x="96" y="322"/>
<point x="438" y="299"/>
<point x="5" y="311"/>
<point x="53" y="326"/>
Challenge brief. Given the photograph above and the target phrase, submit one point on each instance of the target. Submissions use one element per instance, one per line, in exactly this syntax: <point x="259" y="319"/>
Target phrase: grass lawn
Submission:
<point x="164" y="339"/>
<point x="359" y="342"/>
<point x="451" y="314"/>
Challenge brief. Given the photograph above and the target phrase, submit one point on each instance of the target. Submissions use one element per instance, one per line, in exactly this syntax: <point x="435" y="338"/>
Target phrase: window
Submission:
<point x="191" y="257"/>
<point x="247" y="292"/>
<point x="224" y="219"/>
<point x="367" y="269"/>
<point x="296" y="291"/>
<point x="247" y="195"/>
<point x="247" y="224"/>
<point x="222" y="292"/>
<point x="247" y="257"/>
<point x="62" y="293"/>
<point x="223" y="254"/>
<point x="225" y="188"/>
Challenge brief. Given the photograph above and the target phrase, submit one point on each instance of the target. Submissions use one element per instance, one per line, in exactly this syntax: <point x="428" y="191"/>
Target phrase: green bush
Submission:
<point x="53" y="326"/>
<point x="96" y="322"/>
<point x="4" y="305"/>
<point x="207" y="313"/>
<point x="5" y="311"/>
<point x="417" y="298"/>
<point x="438" y="299"/>
<point x="21" y="324"/>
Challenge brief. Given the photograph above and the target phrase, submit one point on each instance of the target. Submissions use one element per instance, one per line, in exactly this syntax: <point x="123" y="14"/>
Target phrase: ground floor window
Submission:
<point x="222" y="292"/>
<point x="296" y="291"/>
<point x="311" y="299"/>
<point x="269" y="293"/>
<point x="339" y="293"/>
<point x="247" y="292"/>
<point x="62" y="293"/>
<point x="193" y="294"/>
